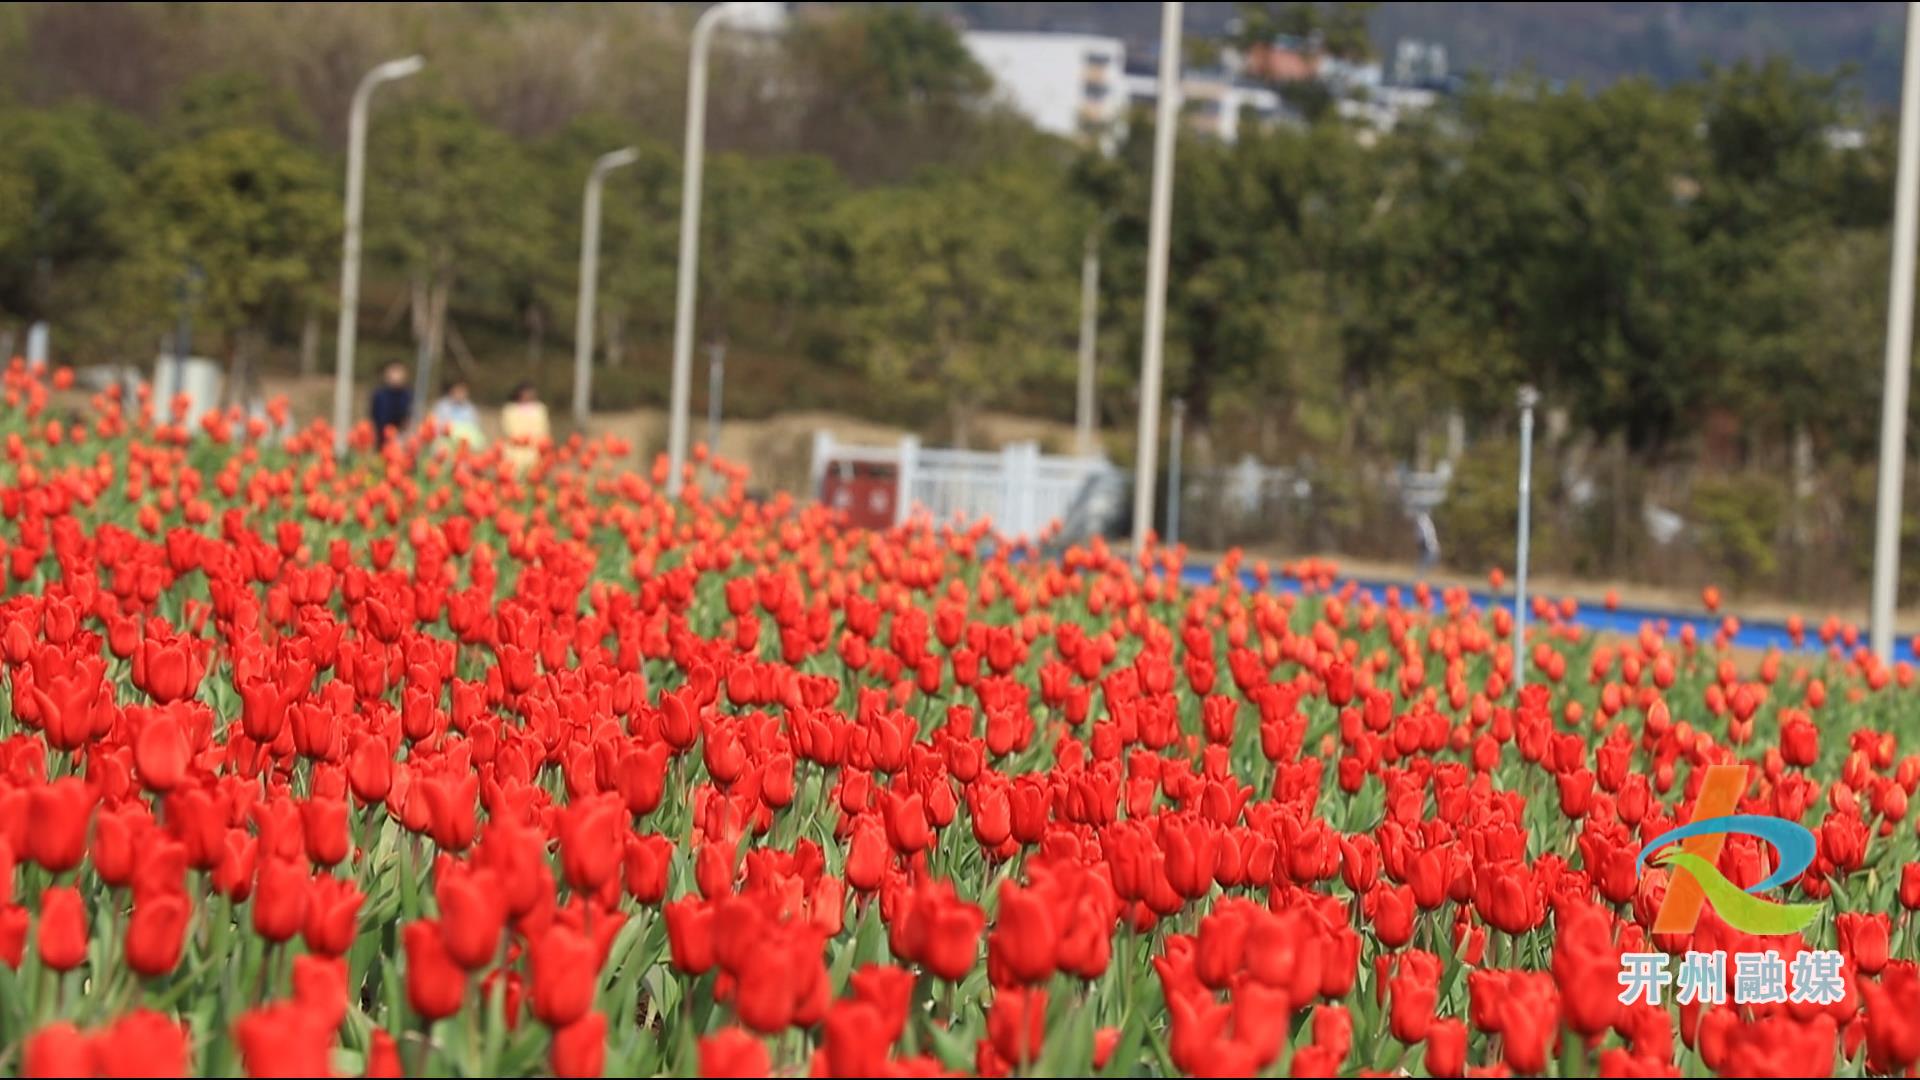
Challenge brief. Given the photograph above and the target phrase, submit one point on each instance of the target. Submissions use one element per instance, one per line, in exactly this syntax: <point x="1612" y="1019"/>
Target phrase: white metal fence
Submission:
<point x="1021" y="490"/>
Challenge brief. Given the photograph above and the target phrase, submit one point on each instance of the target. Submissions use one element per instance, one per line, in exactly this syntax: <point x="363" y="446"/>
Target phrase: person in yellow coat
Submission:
<point x="524" y="428"/>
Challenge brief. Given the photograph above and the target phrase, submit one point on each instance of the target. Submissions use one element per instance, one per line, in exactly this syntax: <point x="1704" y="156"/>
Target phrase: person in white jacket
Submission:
<point x="455" y="419"/>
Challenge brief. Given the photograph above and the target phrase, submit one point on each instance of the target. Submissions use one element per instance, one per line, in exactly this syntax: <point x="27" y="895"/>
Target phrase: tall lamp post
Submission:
<point x="1084" y="436"/>
<point x="590" y="280"/>
<point x="350" y="248"/>
<point x="678" y="399"/>
<point x="1166" y="120"/>
<point x="1899" y="360"/>
<point x="1529" y="399"/>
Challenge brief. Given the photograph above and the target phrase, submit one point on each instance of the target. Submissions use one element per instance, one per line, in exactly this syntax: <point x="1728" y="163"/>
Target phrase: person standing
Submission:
<point x="392" y="404"/>
<point x="454" y="416"/>
<point x="523" y="423"/>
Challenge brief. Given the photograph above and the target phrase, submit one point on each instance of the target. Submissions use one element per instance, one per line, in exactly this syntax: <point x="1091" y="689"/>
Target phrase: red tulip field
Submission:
<point x="405" y="764"/>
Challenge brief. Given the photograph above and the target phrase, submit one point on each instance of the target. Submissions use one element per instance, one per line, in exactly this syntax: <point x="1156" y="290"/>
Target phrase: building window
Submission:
<point x="1093" y="91"/>
<point x="1099" y="57"/>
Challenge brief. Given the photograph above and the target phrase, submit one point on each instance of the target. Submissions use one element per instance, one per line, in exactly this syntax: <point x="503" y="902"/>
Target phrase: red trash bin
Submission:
<point x="864" y="490"/>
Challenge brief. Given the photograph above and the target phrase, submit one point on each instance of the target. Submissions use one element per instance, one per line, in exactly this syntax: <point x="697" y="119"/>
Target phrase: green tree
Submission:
<point x="1340" y="30"/>
<point x="1263" y="232"/>
<point x="1563" y="230"/>
<point x="961" y="287"/>
<point x="1337" y="29"/>
<point x="453" y="202"/>
<point x="639" y="226"/>
<point x="65" y="186"/>
<point x="257" y="217"/>
<point x="231" y="99"/>
<point x="766" y="241"/>
<point x="883" y="90"/>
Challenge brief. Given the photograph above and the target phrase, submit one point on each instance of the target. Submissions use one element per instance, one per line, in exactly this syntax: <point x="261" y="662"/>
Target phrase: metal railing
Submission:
<point x="1019" y="489"/>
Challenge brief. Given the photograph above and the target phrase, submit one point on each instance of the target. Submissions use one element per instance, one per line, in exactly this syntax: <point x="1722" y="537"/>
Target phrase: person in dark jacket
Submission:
<point x="392" y="404"/>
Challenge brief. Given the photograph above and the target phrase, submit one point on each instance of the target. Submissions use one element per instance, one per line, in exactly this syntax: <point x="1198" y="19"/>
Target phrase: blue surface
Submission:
<point x="1754" y="634"/>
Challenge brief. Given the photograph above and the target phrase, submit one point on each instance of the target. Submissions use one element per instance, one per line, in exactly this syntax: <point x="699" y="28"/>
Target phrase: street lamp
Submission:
<point x="1083" y="418"/>
<point x="1529" y="399"/>
<point x="350" y="254"/>
<point x="1166" y="119"/>
<point x="680" y="394"/>
<point x="1893" y="395"/>
<point x="590" y="280"/>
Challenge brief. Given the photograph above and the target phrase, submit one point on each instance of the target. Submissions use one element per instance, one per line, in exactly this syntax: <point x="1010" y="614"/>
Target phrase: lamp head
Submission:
<point x="399" y="69"/>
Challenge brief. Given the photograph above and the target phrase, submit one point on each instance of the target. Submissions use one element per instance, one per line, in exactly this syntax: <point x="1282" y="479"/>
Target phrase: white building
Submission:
<point x="1383" y="107"/>
<point x="1211" y="103"/>
<point x="1072" y="85"/>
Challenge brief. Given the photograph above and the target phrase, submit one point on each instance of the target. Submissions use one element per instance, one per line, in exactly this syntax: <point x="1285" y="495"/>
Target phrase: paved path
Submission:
<point x="1757" y="634"/>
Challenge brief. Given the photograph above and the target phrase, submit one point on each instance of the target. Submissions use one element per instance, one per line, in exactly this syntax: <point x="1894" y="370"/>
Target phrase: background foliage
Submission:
<point x="1693" y="273"/>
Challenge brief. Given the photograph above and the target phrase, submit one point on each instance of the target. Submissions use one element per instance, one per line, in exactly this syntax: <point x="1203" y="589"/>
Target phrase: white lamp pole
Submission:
<point x="1166" y="121"/>
<point x="1893" y="397"/>
<point x="590" y="280"/>
<point x="1176" y="435"/>
<point x="678" y="400"/>
<point x="350" y="253"/>
<point x="1083" y="419"/>
<point x="1529" y="397"/>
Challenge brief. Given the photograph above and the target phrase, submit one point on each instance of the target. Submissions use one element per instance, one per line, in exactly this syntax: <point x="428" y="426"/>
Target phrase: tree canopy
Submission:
<point x="879" y="236"/>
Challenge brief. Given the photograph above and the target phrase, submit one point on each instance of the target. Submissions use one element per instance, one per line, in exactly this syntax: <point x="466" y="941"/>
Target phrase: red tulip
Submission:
<point x="1529" y="1020"/>
<point x="324" y="825"/>
<point x="906" y="823"/>
<point x="63" y="928"/>
<point x="14" y="923"/>
<point x="435" y="984"/>
<point x="890" y="991"/>
<point x="783" y="981"/>
<point x="591" y="843"/>
<point x="57" y="1050"/>
<point x="1865" y="938"/>
<point x="855" y="1042"/>
<point x="1017" y="1024"/>
<point x="161" y="753"/>
<point x="867" y="855"/>
<point x="1333" y="1031"/>
<point x="647" y="862"/>
<point x="320" y="986"/>
<point x="142" y="1043"/>
<point x="333" y="914"/>
<point x="1024" y="935"/>
<point x="383" y="1057"/>
<point x="1447" y="1048"/>
<point x="565" y="971"/>
<point x="280" y="899"/>
<point x="473" y="913"/>
<point x="155" y="933"/>
<point x="1892" y="1002"/>
<point x="1339" y="678"/>
<point x="1391" y="911"/>
<point x="943" y="933"/>
<point x="731" y="1052"/>
<point x="1415" y="987"/>
<point x="284" y="1040"/>
<point x="580" y="1048"/>
<point x="690" y="935"/>
<point x="58" y="839"/>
